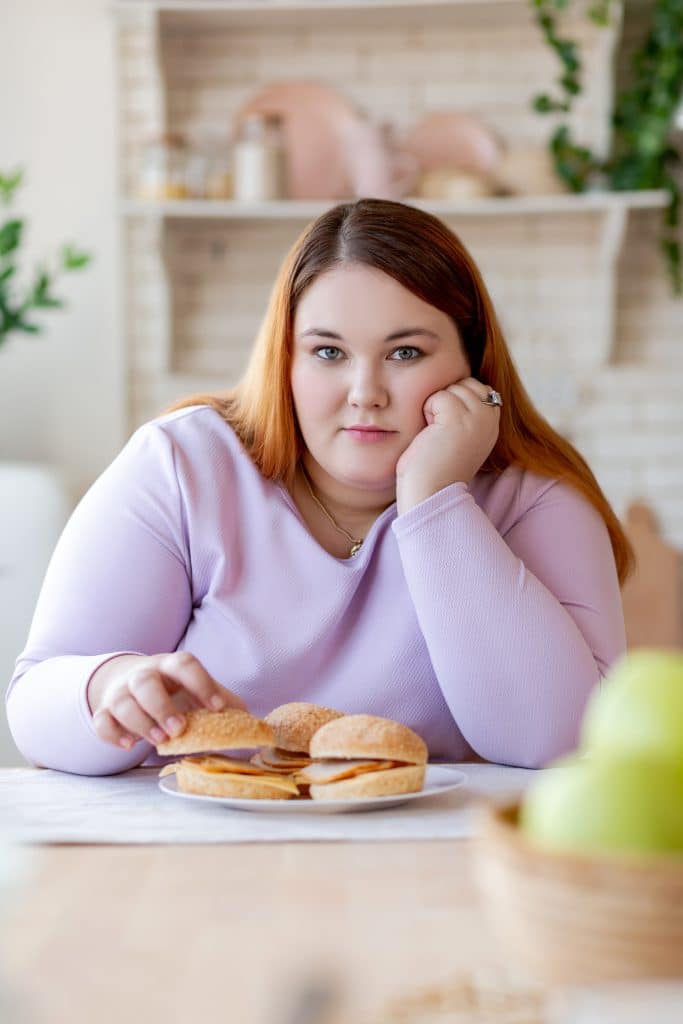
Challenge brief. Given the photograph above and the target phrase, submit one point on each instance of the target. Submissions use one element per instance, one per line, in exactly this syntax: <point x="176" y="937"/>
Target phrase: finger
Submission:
<point x="472" y="393"/>
<point x="472" y="382"/>
<point x="471" y="385"/>
<point x="147" y="687"/>
<point x="125" y="709"/>
<point x="186" y="701"/>
<point x="183" y="669"/>
<point x="197" y="686"/>
<point x="440" y="404"/>
<point x="109" y="730"/>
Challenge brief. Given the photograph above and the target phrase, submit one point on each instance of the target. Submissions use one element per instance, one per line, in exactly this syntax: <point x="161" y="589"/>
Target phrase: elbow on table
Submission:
<point x="59" y="737"/>
<point x="109" y="764"/>
<point x="81" y="763"/>
<point x="531" y="752"/>
<point x="42" y="747"/>
<point x="535" y="735"/>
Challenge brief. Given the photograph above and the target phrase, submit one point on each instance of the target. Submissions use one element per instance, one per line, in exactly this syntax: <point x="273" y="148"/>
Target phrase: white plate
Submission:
<point x="438" y="779"/>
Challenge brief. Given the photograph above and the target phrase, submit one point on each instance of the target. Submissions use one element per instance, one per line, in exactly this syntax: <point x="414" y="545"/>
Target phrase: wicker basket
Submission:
<point x="568" y="918"/>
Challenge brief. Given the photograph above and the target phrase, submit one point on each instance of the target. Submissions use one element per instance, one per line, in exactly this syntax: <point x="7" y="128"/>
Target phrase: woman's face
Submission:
<point x="367" y="351"/>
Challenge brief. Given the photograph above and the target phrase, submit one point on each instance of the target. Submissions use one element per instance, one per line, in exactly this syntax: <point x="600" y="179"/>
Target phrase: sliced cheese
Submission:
<point x="241" y="771"/>
<point x="286" y="785"/>
<point x="331" y="771"/>
<point x="214" y="763"/>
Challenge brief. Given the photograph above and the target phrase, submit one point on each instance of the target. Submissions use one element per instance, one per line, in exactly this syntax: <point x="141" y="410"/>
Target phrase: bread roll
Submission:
<point x="232" y="729"/>
<point x="358" y="736"/>
<point x="293" y="724"/>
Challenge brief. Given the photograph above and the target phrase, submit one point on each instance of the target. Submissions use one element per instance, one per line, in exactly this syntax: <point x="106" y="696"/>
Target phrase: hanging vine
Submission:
<point x="642" y="155"/>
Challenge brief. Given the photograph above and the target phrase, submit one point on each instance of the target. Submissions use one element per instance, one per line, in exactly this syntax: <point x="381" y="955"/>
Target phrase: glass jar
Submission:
<point x="209" y="170"/>
<point x="218" y="176"/>
<point x="163" y="168"/>
<point x="259" y="159"/>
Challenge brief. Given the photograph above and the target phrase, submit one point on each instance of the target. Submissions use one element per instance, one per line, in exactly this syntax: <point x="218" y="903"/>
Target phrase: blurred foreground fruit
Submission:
<point x="593" y="803"/>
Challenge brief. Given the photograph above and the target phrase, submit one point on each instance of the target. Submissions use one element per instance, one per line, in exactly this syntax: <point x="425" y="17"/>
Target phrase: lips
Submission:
<point x="368" y="433"/>
<point x="370" y="429"/>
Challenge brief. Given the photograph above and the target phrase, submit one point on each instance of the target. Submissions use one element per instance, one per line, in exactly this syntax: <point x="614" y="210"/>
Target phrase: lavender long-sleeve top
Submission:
<point x="483" y="617"/>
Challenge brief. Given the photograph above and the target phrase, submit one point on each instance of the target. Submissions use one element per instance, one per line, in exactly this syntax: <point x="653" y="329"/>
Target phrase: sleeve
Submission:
<point x="118" y="582"/>
<point x="520" y="628"/>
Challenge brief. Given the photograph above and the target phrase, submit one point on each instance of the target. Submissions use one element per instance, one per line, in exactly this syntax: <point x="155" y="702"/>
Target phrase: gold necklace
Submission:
<point x="355" y="544"/>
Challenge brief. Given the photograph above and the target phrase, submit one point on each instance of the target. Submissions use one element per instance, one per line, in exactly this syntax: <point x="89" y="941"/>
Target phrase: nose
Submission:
<point x="366" y="389"/>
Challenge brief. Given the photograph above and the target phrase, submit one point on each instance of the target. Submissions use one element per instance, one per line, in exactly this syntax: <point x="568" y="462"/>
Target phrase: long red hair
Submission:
<point x="427" y="258"/>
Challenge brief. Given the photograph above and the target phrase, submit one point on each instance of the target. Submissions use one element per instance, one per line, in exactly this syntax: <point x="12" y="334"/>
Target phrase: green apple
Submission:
<point x="639" y="708"/>
<point x="597" y="804"/>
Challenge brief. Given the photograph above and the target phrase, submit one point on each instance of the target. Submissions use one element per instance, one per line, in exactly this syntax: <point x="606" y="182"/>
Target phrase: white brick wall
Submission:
<point x="393" y="70"/>
<point x="630" y="428"/>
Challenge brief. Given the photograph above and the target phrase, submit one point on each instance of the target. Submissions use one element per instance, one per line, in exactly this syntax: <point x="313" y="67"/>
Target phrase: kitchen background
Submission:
<point x="130" y="119"/>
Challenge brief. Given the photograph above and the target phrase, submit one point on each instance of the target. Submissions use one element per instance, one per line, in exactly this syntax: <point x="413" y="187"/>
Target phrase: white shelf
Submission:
<point x="183" y="15"/>
<point x="291" y="209"/>
<point x="249" y="6"/>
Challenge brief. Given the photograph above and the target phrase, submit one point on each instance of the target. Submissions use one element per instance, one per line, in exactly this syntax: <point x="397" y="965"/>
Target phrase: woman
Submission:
<point x="376" y="519"/>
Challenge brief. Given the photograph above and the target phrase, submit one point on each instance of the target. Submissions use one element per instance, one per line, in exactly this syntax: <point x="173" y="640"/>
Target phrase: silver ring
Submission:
<point x="493" y="398"/>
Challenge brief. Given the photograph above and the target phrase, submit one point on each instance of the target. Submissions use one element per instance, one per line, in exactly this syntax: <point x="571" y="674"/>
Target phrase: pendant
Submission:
<point x="356" y="548"/>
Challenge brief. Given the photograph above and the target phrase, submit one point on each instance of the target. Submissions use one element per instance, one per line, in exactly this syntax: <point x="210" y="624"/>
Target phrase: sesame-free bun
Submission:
<point x="393" y="781"/>
<point x="294" y="724"/>
<point x="231" y="729"/>
<point x="357" y="736"/>
<point x="192" y="779"/>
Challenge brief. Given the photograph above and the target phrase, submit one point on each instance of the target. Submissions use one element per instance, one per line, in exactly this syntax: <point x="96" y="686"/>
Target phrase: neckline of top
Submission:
<point x="352" y="560"/>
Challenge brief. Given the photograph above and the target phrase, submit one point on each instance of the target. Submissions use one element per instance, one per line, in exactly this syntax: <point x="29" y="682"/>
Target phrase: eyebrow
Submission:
<point x="405" y="332"/>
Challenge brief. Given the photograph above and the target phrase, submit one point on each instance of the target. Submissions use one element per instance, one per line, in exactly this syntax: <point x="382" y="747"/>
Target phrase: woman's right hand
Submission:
<point x="135" y="697"/>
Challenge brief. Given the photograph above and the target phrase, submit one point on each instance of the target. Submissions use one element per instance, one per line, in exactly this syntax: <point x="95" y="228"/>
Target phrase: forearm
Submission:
<point x="513" y="665"/>
<point x="51" y="723"/>
<point x="130" y="596"/>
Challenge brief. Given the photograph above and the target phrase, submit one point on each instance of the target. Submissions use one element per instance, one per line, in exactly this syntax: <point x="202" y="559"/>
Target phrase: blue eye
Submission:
<point x="407" y="348"/>
<point x="321" y="349"/>
<point x="326" y="348"/>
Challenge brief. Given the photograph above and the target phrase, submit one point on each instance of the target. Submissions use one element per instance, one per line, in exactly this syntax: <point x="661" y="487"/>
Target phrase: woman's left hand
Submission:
<point x="460" y="434"/>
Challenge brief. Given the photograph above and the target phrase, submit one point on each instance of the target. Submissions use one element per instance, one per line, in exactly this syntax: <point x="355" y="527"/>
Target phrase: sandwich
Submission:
<point x="293" y="726"/>
<point x="347" y="756"/>
<point x="356" y="756"/>
<point x="218" y="775"/>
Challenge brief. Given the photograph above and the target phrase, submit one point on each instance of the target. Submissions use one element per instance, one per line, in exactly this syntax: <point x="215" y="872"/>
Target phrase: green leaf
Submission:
<point x="73" y="259"/>
<point x="568" y="53"/>
<point x="599" y="14"/>
<point x="9" y="183"/>
<point x="10" y="236"/>
<point x="571" y="85"/>
<point x="27" y="328"/>
<point x="546" y="105"/>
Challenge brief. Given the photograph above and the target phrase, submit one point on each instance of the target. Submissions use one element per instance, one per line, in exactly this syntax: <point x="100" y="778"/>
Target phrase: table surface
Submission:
<point x="104" y="933"/>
